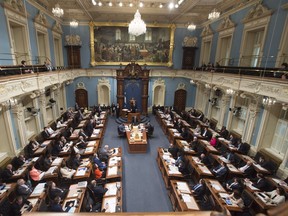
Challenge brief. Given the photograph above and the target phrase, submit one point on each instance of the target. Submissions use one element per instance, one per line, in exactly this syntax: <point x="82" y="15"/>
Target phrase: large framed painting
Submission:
<point x="111" y="44"/>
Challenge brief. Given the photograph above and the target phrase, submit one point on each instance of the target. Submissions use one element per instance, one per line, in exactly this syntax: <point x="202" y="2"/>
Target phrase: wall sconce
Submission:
<point x="268" y="101"/>
<point x="34" y="111"/>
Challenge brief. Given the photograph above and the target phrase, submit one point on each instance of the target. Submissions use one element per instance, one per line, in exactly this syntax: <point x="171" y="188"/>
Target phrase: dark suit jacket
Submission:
<point x="45" y="134"/>
<point x="6" y="174"/>
<point x="99" y="191"/>
<point x="89" y="129"/>
<point x="220" y="171"/>
<point x="260" y="184"/>
<point x="75" y="163"/>
<point x="24" y="190"/>
<point x="54" y="192"/>
<point x="249" y="172"/>
<point x="55" y="208"/>
<point x="207" y="135"/>
<point x="224" y="134"/>
<point x="198" y="189"/>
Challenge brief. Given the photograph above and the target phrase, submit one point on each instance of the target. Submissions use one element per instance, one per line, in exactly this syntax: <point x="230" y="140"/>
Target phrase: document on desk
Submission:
<point x="33" y="201"/>
<point x="173" y="170"/>
<point x="183" y="142"/>
<point x="57" y="161"/>
<point x="113" y="161"/>
<point x="183" y="187"/>
<point x="223" y="195"/>
<point x="81" y="171"/>
<point x="72" y="193"/>
<point x="112" y="171"/>
<point x="216" y="186"/>
<point x="96" y="131"/>
<point x="111" y="201"/>
<point x="112" y="189"/>
<point x="91" y="144"/>
<point x="260" y="167"/>
<point x="50" y="170"/>
<point x="38" y="190"/>
<point x="186" y="197"/>
<point x="89" y="149"/>
<point x="35" y="159"/>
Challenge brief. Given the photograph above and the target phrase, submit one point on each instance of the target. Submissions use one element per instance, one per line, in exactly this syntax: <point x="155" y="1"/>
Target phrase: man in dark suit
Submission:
<point x="224" y="132"/>
<point x="23" y="189"/>
<point x="206" y="134"/>
<point x="98" y="190"/>
<point x="45" y="133"/>
<point x="173" y="150"/>
<point x="75" y="161"/>
<point x="233" y="184"/>
<point x="241" y="147"/>
<point x="117" y="110"/>
<point x="198" y="189"/>
<point x="89" y="128"/>
<point x="205" y="160"/>
<point x="230" y="157"/>
<point x="220" y="170"/>
<point x="248" y="169"/>
<point x="7" y="173"/>
<point x="260" y="182"/>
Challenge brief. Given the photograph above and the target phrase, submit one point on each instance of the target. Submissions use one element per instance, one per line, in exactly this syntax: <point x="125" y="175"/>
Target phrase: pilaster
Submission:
<point x="223" y="109"/>
<point x="42" y="106"/>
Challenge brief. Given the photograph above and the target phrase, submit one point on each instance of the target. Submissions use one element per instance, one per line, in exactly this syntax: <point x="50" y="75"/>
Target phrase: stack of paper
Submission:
<point x="111" y="203"/>
<point x="82" y="184"/>
<point x="183" y="187"/>
<point x="57" y="161"/>
<point x="112" y="170"/>
<point x="81" y="171"/>
<point x="50" y="170"/>
<point x="89" y="149"/>
<point x="186" y="198"/>
<point x="112" y="189"/>
<point x="38" y="190"/>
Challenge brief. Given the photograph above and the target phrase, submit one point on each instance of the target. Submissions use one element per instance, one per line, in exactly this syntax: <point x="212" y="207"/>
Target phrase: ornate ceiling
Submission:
<point x="190" y="11"/>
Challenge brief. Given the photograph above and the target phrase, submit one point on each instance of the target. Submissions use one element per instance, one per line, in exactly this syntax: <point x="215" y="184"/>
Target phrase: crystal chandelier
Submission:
<point x="74" y="23"/>
<point x="137" y="26"/>
<point x="191" y="27"/>
<point x="230" y="91"/>
<point x="214" y="14"/>
<point x="57" y="11"/>
<point x="268" y="101"/>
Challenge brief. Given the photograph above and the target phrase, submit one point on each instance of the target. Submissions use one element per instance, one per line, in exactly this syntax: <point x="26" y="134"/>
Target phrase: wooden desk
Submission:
<point x="75" y="194"/>
<point x="169" y="172"/>
<point x="137" y="146"/>
<point x="114" y="168"/>
<point x="97" y="134"/>
<point x="81" y="124"/>
<point x="219" y="194"/>
<point x="173" y="135"/>
<point x="74" y="135"/>
<point x="114" y="189"/>
<point x="201" y="169"/>
<point x="159" y="116"/>
<point x="132" y="115"/>
<point x="166" y="125"/>
<point x="80" y="174"/>
<point x="42" y="148"/>
<point x="181" y="197"/>
<point x="184" y="146"/>
<point x="92" y="147"/>
<point x="278" y="183"/>
<point x="209" y="148"/>
<point x="259" y="200"/>
<point x="113" y="204"/>
<point x="4" y="193"/>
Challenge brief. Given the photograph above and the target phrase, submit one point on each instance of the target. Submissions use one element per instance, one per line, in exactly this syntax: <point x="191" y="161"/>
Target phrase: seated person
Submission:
<point x="201" y="116"/>
<point x="81" y="133"/>
<point x="45" y="133"/>
<point x="194" y="143"/>
<point x="232" y="140"/>
<point x="35" y="175"/>
<point x="60" y="124"/>
<point x="97" y="172"/>
<point x="96" y="160"/>
<point x="240" y="146"/>
<point x="56" y="148"/>
<point x="7" y="172"/>
<point x="54" y="191"/>
<point x="205" y="160"/>
<point x="230" y="157"/>
<point x="206" y="134"/>
<point x="24" y="67"/>
<point x="247" y="169"/>
<point x="75" y="161"/>
<point x="23" y="189"/>
<point x="220" y="170"/>
<point x="233" y="184"/>
<point x="31" y="147"/>
<point x="55" y="205"/>
<point x="47" y="162"/>
<point x="173" y="149"/>
<point x="236" y="198"/>
<point x="19" y="161"/>
<point x="184" y="133"/>
<point x="81" y="143"/>
<point x="198" y="129"/>
<point x="16" y="208"/>
<point x="66" y="172"/>
<point x="213" y="140"/>
<point x="258" y="182"/>
<point x="276" y="196"/>
<point x="149" y="128"/>
<point x="198" y="189"/>
<point x="224" y="132"/>
<point x="98" y="190"/>
<point x="89" y="128"/>
<point x="105" y="153"/>
<point x="121" y="129"/>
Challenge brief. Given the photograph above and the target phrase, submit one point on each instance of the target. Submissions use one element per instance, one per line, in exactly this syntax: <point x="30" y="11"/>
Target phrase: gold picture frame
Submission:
<point x="110" y="44"/>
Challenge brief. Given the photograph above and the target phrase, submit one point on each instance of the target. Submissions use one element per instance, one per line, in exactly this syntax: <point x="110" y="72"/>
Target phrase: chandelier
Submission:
<point x="214" y="14"/>
<point x="137" y="26"/>
<point x="191" y="27"/>
<point x="230" y="91"/>
<point x="57" y="11"/>
<point x="74" y="23"/>
<point x="268" y="101"/>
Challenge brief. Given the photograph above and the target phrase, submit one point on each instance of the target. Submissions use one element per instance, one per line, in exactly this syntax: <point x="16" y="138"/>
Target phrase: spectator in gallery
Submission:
<point x="48" y="65"/>
<point x="24" y="68"/>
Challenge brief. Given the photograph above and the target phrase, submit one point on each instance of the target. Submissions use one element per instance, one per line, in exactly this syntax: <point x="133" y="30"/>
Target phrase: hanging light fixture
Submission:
<point x="137" y="26"/>
<point x="214" y="14"/>
<point x="191" y="27"/>
<point x="74" y="23"/>
<point x="268" y="101"/>
<point x="57" y="11"/>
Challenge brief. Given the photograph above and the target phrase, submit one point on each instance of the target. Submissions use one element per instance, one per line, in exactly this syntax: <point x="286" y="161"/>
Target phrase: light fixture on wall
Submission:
<point x="74" y="23"/>
<point x="268" y="101"/>
<point x="230" y="91"/>
<point x="191" y="27"/>
<point x="57" y="11"/>
<point x="137" y="26"/>
<point x="214" y="14"/>
<point x="208" y="86"/>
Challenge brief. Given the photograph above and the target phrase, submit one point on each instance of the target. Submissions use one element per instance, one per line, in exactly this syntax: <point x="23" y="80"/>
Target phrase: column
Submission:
<point x="42" y="106"/>
<point x="253" y="111"/>
<point x="18" y="117"/>
<point x="230" y="114"/>
<point x="223" y="109"/>
<point x="34" y="96"/>
<point x="205" y="101"/>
